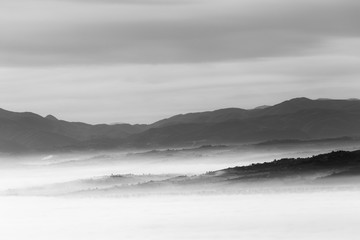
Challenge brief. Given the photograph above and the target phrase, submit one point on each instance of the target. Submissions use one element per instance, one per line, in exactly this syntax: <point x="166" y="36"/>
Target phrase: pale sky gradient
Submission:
<point x="137" y="61"/>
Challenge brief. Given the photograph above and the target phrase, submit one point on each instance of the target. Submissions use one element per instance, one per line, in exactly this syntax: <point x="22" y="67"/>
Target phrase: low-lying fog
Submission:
<point x="319" y="215"/>
<point x="45" y="169"/>
<point x="26" y="171"/>
<point x="273" y="216"/>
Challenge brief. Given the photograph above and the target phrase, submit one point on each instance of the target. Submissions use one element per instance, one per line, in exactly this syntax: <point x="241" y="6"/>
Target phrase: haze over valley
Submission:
<point x="257" y="163"/>
<point x="179" y="119"/>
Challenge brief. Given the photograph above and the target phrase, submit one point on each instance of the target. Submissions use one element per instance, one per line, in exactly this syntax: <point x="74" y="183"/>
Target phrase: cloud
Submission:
<point x="141" y="93"/>
<point x="135" y="2"/>
<point x="63" y="33"/>
<point x="144" y="61"/>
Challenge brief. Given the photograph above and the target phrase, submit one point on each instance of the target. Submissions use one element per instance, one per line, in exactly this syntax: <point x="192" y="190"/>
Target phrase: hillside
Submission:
<point x="286" y="107"/>
<point x="300" y="118"/>
<point x="303" y="125"/>
<point x="324" y="165"/>
<point x="24" y="132"/>
<point x="330" y="171"/>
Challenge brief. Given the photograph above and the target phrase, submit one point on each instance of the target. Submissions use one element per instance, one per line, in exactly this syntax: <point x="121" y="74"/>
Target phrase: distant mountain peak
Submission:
<point x="299" y="99"/>
<point x="51" y="117"/>
<point x="262" y="107"/>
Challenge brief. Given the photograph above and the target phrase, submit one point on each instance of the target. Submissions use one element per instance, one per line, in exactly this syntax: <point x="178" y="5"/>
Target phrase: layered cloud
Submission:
<point x="147" y="93"/>
<point x="36" y="32"/>
<point x="142" y="60"/>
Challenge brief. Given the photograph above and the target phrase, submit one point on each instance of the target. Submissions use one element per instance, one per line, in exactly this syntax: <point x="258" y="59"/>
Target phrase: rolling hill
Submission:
<point x="338" y="170"/>
<point x="29" y="132"/>
<point x="287" y="107"/>
<point x="299" y="118"/>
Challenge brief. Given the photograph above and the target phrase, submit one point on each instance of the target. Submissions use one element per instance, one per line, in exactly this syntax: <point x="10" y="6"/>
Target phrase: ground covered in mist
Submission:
<point x="315" y="216"/>
<point x="203" y="170"/>
<point x="211" y="192"/>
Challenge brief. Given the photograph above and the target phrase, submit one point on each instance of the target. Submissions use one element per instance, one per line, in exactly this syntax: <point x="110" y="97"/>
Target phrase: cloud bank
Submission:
<point x="71" y="33"/>
<point x="139" y="61"/>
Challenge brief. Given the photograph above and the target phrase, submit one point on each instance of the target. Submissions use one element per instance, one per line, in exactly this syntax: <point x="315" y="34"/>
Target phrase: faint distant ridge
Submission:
<point x="51" y="117"/>
<point x="311" y="141"/>
<point x="262" y="107"/>
<point x="349" y="99"/>
<point x="301" y="119"/>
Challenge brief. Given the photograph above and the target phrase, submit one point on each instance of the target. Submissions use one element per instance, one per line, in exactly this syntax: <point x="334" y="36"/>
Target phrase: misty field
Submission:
<point x="285" y="215"/>
<point x="272" y="216"/>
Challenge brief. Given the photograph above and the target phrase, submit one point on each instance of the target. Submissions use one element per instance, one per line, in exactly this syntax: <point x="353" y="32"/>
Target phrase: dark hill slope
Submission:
<point x="287" y="107"/>
<point x="299" y="118"/>
<point x="329" y="165"/>
<point x="332" y="171"/>
<point x="221" y="115"/>
<point x="30" y="132"/>
<point x="304" y="124"/>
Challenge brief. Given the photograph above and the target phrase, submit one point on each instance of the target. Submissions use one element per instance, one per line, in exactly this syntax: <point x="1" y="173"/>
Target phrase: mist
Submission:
<point x="273" y="216"/>
<point x="179" y="119"/>
<point x="23" y="171"/>
<point x="139" y="194"/>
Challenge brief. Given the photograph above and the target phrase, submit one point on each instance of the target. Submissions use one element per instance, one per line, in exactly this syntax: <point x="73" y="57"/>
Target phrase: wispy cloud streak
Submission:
<point x="212" y="32"/>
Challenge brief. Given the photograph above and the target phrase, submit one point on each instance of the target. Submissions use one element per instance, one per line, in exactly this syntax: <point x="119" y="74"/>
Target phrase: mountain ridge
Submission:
<point x="298" y="118"/>
<point x="288" y="106"/>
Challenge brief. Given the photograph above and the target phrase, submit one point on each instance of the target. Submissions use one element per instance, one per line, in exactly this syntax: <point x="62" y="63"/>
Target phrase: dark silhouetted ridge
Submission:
<point x="299" y="119"/>
<point x="51" y="117"/>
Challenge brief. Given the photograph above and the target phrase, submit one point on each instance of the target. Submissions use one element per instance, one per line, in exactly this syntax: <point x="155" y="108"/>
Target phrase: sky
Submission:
<point x="138" y="61"/>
